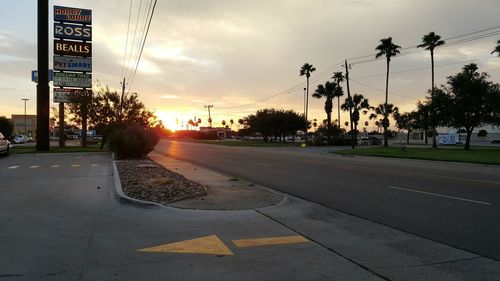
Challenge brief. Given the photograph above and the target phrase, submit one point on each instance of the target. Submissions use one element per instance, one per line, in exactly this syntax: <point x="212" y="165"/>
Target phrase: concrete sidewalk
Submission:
<point x="60" y="220"/>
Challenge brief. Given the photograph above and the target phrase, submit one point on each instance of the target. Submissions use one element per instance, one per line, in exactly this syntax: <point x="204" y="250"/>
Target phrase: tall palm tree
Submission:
<point x="389" y="50"/>
<point x="430" y="42"/>
<point x="327" y="91"/>
<point x="339" y="78"/>
<point x="358" y="104"/>
<point x="306" y="70"/>
<point x="497" y="48"/>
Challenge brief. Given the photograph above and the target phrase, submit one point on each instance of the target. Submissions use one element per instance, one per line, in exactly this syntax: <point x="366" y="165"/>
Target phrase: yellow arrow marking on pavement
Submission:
<point x="210" y="245"/>
<point x="269" y="241"/>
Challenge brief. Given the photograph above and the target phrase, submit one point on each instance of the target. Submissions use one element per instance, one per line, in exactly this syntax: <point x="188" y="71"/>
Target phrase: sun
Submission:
<point x="173" y="120"/>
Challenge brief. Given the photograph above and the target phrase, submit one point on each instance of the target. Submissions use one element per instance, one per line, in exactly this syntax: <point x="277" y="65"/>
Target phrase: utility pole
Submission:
<point x="209" y="118"/>
<point x="120" y="107"/>
<point x="25" y="100"/>
<point x="350" y="105"/>
<point x="42" y="86"/>
<point x="62" y="133"/>
<point x="304" y="102"/>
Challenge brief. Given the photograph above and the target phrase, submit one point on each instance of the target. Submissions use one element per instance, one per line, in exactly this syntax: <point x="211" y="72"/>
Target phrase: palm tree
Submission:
<point x="306" y="70"/>
<point x="497" y="48"/>
<point x="358" y="104"/>
<point x="339" y="78"/>
<point x="389" y="50"/>
<point x="384" y="110"/>
<point x="429" y="42"/>
<point x="327" y="91"/>
<point x="231" y="122"/>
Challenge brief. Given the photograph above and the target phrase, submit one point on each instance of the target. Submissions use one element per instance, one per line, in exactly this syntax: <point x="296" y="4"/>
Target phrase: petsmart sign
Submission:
<point x="72" y="64"/>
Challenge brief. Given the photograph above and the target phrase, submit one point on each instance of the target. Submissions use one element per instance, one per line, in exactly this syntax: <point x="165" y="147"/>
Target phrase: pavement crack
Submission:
<point x="11" y="275"/>
<point x="444" y="262"/>
<point x="325" y="247"/>
<point x="88" y="245"/>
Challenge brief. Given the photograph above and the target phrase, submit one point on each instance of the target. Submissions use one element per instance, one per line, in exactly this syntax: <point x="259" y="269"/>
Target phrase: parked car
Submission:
<point x="19" y="139"/>
<point x="495" y="141"/>
<point x="4" y="145"/>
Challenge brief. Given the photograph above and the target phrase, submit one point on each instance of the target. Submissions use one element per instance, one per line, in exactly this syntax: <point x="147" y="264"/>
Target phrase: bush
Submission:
<point x="132" y="141"/>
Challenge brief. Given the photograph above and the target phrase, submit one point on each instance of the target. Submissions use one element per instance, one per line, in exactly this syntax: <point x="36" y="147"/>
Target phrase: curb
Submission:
<point x="125" y="199"/>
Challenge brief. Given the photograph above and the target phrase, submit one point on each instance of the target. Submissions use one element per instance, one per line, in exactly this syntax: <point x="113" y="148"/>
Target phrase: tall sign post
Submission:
<point x="42" y="86"/>
<point x="72" y="63"/>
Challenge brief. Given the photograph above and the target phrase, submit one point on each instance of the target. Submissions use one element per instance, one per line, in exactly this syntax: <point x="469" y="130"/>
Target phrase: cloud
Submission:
<point x="170" y="97"/>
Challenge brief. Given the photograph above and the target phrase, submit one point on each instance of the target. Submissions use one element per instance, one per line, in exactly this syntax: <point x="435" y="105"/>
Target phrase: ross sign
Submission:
<point x="72" y="95"/>
<point x="34" y="75"/>
<point x="73" y="64"/>
<point x="79" y="80"/>
<point x="70" y="31"/>
<point x="71" y="48"/>
<point x="75" y="15"/>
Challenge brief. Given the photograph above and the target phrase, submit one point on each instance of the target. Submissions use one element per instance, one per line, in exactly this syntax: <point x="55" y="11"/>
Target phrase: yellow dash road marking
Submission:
<point x="55" y="166"/>
<point x="95" y="165"/>
<point x="34" y="167"/>
<point x="13" y="167"/>
<point x="210" y="245"/>
<point x="269" y="241"/>
<point x="75" y="165"/>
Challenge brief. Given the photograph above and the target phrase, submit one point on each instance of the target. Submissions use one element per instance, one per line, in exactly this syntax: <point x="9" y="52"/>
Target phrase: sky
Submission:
<point x="241" y="56"/>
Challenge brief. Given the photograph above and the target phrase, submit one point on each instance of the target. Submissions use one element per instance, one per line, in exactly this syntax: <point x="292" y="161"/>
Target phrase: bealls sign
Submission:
<point x="69" y="31"/>
<point x="70" y="48"/>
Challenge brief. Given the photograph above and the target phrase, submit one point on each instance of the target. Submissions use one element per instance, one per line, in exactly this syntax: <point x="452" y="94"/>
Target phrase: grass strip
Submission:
<point x="478" y="155"/>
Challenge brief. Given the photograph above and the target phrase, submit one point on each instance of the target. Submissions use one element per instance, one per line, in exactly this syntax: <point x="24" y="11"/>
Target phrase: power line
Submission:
<point x="126" y="40"/>
<point x="133" y="40"/>
<point x="143" y="43"/>
<point x="380" y="90"/>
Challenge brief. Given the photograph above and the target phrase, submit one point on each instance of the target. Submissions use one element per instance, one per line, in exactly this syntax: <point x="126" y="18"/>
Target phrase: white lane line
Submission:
<point x="13" y="167"/>
<point x="440" y="195"/>
<point x="263" y="164"/>
<point x="55" y="166"/>
<point x="35" y="166"/>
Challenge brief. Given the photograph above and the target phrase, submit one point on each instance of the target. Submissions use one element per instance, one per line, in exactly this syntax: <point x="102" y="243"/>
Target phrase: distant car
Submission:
<point x="19" y="139"/>
<point x="4" y="145"/>
<point x="495" y="141"/>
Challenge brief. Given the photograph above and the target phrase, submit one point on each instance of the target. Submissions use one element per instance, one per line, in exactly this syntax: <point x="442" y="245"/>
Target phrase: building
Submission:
<point x="24" y="126"/>
<point x="219" y="132"/>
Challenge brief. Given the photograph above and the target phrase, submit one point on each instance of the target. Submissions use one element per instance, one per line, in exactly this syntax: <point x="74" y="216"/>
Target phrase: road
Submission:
<point x="451" y="203"/>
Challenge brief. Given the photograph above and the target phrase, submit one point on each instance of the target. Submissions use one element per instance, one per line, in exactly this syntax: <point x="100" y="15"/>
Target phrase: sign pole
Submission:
<point x="42" y="87"/>
<point x="62" y="134"/>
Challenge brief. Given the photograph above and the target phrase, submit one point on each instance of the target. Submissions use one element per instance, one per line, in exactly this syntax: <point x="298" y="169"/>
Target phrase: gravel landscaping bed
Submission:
<point x="150" y="181"/>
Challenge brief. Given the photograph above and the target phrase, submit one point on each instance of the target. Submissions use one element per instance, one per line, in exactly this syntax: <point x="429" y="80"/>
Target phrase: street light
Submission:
<point x="25" y="100"/>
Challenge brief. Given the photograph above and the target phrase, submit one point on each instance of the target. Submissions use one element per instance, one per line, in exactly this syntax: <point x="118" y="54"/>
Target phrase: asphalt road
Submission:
<point x="452" y="203"/>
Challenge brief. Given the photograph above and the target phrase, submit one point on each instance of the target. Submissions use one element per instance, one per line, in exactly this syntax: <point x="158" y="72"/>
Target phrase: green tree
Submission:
<point x="430" y="41"/>
<point x="359" y="105"/>
<point x="6" y="127"/>
<point x="471" y="100"/>
<point x="339" y="78"/>
<point x="406" y="121"/>
<point x="497" y="49"/>
<point x="385" y="111"/>
<point x="327" y="92"/>
<point x="388" y="50"/>
<point x="306" y="70"/>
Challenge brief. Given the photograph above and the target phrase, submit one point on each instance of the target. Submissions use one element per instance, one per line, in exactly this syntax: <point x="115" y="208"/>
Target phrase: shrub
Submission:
<point x="132" y="141"/>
